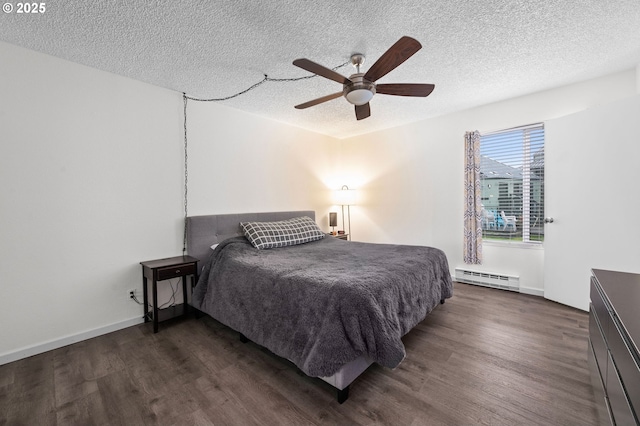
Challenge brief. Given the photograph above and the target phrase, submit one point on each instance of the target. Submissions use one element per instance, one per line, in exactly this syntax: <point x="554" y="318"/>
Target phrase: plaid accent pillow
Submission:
<point x="265" y="235"/>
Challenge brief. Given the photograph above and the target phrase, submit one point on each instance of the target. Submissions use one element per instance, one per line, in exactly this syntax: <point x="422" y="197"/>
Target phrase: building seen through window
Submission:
<point x="512" y="181"/>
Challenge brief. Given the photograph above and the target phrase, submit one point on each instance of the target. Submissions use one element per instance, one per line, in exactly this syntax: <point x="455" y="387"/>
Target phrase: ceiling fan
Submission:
<point x="359" y="88"/>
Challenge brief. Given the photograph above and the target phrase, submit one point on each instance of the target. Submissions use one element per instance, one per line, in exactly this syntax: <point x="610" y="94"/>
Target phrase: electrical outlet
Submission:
<point x="132" y="294"/>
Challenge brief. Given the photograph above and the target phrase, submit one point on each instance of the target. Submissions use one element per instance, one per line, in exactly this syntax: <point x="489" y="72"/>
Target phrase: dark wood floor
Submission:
<point x="485" y="357"/>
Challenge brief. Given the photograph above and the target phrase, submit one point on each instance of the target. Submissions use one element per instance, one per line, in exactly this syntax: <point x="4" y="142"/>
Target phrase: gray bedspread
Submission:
<point x="324" y="303"/>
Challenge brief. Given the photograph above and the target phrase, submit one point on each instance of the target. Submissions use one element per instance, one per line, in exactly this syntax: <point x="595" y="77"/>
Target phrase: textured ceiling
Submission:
<point x="474" y="51"/>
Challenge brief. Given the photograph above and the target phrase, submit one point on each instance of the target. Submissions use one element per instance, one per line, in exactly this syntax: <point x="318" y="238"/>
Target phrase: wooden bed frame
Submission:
<point x="204" y="231"/>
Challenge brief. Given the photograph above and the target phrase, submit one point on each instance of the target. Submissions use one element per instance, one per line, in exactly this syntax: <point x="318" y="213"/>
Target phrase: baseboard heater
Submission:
<point x="503" y="282"/>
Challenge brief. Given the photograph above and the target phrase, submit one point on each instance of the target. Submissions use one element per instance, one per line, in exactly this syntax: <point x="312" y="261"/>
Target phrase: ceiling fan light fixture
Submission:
<point x="359" y="91"/>
<point x="359" y="96"/>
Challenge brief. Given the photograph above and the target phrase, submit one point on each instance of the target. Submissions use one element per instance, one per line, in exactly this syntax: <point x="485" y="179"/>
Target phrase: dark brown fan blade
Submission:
<point x="405" y="89"/>
<point x="318" y="69"/>
<point x="319" y="100"/>
<point x="363" y="111"/>
<point x="397" y="54"/>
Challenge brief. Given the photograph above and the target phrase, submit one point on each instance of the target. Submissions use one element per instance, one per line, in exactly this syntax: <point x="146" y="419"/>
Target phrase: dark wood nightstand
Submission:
<point x="165" y="269"/>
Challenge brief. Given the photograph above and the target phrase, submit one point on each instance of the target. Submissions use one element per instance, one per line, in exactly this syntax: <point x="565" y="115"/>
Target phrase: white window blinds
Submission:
<point x="512" y="182"/>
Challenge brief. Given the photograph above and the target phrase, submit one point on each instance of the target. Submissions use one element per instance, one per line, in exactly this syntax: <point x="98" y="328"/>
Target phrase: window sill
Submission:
<point x="513" y="244"/>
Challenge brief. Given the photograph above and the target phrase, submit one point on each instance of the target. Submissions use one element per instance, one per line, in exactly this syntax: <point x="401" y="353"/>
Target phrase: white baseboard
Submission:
<point x="532" y="291"/>
<point x="28" y="351"/>
<point x="523" y="290"/>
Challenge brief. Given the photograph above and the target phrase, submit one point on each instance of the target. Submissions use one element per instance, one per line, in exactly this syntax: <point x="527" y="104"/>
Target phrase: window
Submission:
<point x="512" y="181"/>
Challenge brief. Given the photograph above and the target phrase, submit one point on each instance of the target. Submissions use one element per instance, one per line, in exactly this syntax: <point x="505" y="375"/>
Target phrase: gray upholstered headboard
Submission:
<point x="204" y="231"/>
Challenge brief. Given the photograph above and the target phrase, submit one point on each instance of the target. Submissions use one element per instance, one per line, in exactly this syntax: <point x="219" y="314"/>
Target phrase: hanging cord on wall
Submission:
<point x="186" y="98"/>
<point x="186" y="176"/>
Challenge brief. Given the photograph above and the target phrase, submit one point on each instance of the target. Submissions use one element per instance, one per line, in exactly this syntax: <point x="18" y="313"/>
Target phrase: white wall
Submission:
<point x="91" y="183"/>
<point x="411" y="177"/>
<point x="239" y="162"/>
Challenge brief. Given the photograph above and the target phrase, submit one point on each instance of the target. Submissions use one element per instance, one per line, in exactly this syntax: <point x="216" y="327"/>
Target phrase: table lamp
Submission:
<point x="333" y="221"/>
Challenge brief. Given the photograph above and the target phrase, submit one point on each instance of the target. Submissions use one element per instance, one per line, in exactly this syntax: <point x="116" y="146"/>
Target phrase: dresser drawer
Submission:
<point x="601" y="311"/>
<point x="596" y="338"/>
<point x="620" y="409"/>
<point x="626" y="364"/>
<point x="175" y="271"/>
<point x="602" y="403"/>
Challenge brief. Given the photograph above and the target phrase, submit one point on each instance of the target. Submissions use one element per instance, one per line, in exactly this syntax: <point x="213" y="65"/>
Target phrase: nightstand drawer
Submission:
<point x="175" y="271"/>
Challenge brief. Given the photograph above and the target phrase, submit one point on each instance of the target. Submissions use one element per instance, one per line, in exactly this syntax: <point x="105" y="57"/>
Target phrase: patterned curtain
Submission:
<point x="472" y="205"/>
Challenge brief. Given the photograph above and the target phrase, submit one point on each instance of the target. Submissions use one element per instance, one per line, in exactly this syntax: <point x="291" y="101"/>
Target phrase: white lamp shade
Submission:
<point x="345" y="197"/>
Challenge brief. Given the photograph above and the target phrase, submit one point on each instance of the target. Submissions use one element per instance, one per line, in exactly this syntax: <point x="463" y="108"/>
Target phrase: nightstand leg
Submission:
<point x="184" y="296"/>
<point x="155" y="306"/>
<point x="194" y="281"/>
<point x="145" y="297"/>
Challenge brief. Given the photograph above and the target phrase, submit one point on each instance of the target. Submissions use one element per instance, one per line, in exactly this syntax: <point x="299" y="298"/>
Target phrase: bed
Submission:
<point x="330" y="306"/>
